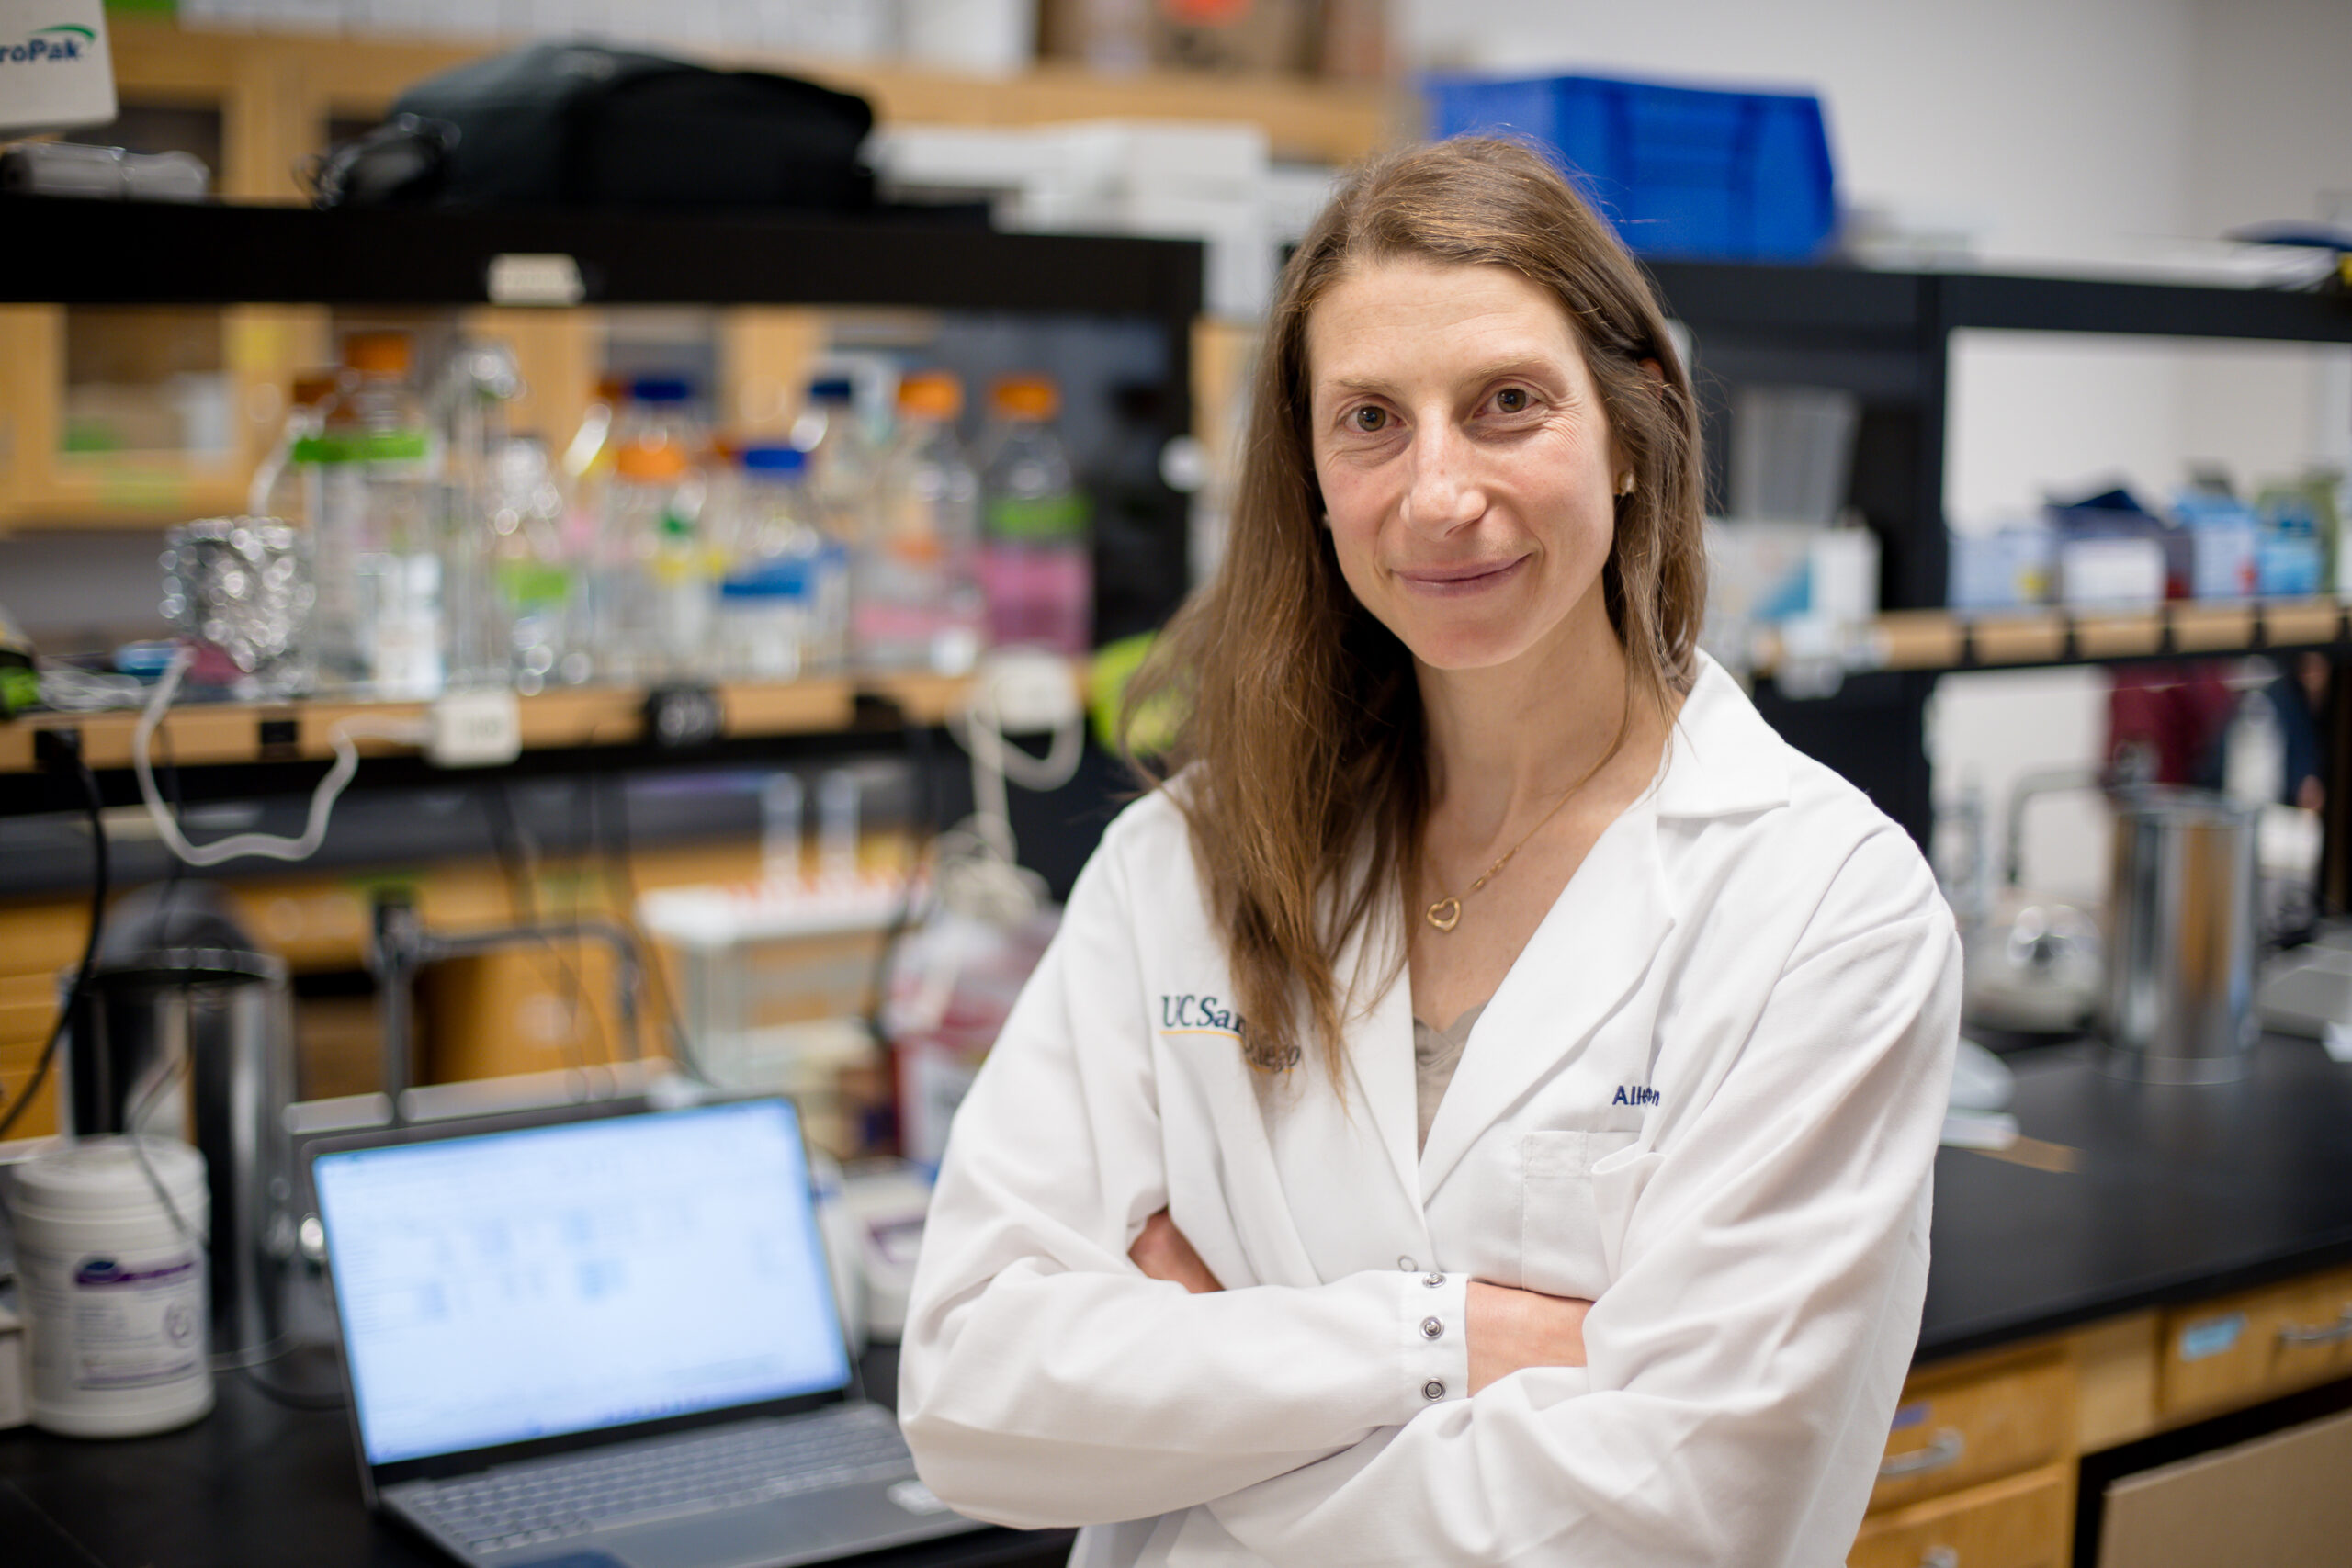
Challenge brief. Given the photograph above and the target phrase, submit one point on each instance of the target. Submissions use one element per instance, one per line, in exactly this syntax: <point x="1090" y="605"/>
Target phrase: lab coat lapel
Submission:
<point x="1380" y="1050"/>
<point x="1346" y="1154"/>
<point x="1272" y="1252"/>
<point x="1591" y="949"/>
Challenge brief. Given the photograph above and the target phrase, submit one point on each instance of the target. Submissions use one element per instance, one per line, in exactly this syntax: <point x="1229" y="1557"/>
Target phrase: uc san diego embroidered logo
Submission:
<point x="1183" y="1013"/>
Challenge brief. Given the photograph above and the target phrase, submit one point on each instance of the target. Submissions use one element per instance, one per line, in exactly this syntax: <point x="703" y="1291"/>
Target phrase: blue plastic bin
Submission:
<point x="1680" y="171"/>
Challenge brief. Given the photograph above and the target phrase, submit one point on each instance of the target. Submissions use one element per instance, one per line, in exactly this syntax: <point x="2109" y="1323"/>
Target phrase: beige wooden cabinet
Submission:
<point x="1980" y="1468"/>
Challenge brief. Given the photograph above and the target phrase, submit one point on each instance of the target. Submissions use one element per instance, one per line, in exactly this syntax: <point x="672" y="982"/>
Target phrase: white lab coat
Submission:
<point x="1706" y="1096"/>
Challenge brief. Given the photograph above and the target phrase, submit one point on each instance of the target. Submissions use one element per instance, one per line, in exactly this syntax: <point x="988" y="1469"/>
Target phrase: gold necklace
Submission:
<point x="1446" y="913"/>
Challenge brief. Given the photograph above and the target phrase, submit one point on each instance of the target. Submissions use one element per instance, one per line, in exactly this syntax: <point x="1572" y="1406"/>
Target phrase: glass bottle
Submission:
<point x="650" y="588"/>
<point x="915" y="588"/>
<point x="783" y="600"/>
<point x="534" y="569"/>
<point x="472" y="400"/>
<point x="278" y="483"/>
<point x="842" y="460"/>
<point x="1037" y="564"/>
<point x="369" y="482"/>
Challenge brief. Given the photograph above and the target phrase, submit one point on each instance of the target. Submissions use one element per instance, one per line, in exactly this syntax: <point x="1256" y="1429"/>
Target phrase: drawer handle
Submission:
<point x="1946" y="1450"/>
<point x="2340" y="1329"/>
<point x="1940" y="1557"/>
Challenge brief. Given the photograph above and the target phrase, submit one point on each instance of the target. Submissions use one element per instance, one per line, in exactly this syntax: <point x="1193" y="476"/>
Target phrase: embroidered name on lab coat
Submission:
<point x="1634" y="1094"/>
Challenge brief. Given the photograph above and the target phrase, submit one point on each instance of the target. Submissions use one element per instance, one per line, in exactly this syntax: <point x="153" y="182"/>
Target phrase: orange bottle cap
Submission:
<point x="646" y="462"/>
<point x="932" y="394"/>
<point x="377" y="353"/>
<point x="1026" y="397"/>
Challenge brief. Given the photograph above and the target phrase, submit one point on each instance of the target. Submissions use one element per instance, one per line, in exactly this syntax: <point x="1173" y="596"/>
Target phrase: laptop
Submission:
<point x="609" y="1344"/>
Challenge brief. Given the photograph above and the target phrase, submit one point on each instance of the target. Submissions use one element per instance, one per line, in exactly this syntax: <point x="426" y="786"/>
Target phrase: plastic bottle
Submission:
<point x="535" y="571"/>
<point x="2253" y="752"/>
<point x="278" y="484"/>
<point x="369" y="479"/>
<point x="915" y="588"/>
<point x="650" y="579"/>
<point x="111" y="1257"/>
<point x="783" y="601"/>
<point x="472" y="400"/>
<point x="842" y="460"/>
<point x="1036" y="561"/>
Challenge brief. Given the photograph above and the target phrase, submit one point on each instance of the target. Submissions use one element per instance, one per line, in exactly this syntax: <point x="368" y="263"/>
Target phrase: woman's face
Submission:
<point x="1467" y="469"/>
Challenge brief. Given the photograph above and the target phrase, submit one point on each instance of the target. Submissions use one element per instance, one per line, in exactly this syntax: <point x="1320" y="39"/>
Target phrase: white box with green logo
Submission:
<point x="55" y="71"/>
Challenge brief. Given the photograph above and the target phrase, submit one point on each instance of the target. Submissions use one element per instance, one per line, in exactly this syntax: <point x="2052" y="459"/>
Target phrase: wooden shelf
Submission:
<point x="277" y="93"/>
<point x="228" y="734"/>
<point x="1946" y="640"/>
<point x="212" y="734"/>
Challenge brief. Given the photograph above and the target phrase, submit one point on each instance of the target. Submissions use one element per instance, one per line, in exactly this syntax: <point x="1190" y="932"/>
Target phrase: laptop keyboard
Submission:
<point x="526" y="1505"/>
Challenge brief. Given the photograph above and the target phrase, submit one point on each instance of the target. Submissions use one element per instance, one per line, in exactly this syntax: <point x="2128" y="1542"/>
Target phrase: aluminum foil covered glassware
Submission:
<point x="239" y="590"/>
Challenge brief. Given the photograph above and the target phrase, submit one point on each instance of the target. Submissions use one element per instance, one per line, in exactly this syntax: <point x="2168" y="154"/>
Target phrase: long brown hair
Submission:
<point x="1301" y="711"/>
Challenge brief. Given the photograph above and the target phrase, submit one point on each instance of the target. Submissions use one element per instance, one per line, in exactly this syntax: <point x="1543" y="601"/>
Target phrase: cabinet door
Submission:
<point x="1970" y="1424"/>
<point x="2275" y="1500"/>
<point x="143" y="415"/>
<point x="38" y="941"/>
<point x="2025" y="1522"/>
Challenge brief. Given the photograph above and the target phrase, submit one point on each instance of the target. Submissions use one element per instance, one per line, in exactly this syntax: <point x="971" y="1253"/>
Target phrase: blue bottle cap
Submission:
<point x="775" y="462"/>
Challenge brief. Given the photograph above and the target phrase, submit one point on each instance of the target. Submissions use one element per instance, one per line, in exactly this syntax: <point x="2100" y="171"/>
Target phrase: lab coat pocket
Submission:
<point x="1617" y="1185"/>
<point x="1566" y="1241"/>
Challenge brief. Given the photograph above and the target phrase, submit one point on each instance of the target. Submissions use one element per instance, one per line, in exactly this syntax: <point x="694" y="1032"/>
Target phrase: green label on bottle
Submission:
<point x="1040" y="518"/>
<point x="369" y="447"/>
<point x="533" y="585"/>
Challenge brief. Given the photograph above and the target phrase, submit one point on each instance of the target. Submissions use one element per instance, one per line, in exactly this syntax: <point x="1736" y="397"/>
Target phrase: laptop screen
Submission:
<point x="532" y="1283"/>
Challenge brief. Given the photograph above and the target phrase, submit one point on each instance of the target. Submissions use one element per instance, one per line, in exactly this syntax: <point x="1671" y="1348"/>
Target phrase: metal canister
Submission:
<point x="2181" y="936"/>
<point x="187" y="1032"/>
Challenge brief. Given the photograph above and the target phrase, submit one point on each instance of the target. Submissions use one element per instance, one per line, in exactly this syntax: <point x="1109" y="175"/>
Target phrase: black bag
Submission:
<point x="581" y="125"/>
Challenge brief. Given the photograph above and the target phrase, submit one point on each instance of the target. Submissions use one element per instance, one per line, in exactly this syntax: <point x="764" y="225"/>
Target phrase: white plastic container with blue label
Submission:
<point x="111" y="1259"/>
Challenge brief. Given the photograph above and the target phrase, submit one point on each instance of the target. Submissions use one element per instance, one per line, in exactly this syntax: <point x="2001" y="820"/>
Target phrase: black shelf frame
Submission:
<point x="65" y="251"/>
<point x="1886" y="336"/>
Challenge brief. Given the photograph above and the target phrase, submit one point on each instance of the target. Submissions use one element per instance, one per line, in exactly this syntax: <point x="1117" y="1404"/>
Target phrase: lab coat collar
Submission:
<point x="1721" y="758"/>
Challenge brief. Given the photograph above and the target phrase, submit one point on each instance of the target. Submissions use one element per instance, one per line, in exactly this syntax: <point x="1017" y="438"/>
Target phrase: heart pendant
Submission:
<point x="1445" y="914"/>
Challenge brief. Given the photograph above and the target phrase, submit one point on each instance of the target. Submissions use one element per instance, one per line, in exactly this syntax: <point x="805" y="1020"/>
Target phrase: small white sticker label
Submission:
<point x="520" y="277"/>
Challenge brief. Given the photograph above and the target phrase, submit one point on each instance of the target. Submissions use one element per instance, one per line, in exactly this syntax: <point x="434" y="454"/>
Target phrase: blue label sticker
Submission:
<point x="1912" y="1415"/>
<point x="2211" y="1336"/>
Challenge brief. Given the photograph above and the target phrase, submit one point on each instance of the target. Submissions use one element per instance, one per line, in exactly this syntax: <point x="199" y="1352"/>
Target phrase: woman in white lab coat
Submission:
<point x="1482" y="1109"/>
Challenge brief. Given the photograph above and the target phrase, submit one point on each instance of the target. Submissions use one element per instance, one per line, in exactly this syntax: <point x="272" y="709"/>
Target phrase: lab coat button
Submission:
<point x="1433" y="1389"/>
<point x="1432" y="1279"/>
<point x="1405" y="1264"/>
<point x="1432" y="1328"/>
